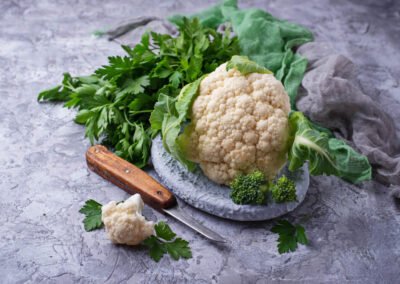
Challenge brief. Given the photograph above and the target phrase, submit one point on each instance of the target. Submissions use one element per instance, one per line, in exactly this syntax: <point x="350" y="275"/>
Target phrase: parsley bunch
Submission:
<point x="116" y="101"/>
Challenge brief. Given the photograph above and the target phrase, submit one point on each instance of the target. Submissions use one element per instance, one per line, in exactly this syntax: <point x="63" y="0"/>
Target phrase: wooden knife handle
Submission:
<point x="128" y="177"/>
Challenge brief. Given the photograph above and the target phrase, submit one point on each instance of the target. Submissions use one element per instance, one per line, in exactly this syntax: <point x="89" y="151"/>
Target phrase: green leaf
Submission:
<point x="141" y="102"/>
<point x="86" y="90"/>
<point x="175" y="79"/>
<point x="286" y="244"/>
<point x="283" y="227"/>
<point x="54" y="94"/>
<point x="165" y="241"/>
<point x="74" y="101"/>
<point x="162" y="69"/>
<point x="136" y="86"/>
<point x="140" y="150"/>
<point x="170" y="129"/>
<point x="102" y="121"/>
<point x="201" y="43"/>
<point x="163" y="231"/>
<point x="301" y="235"/>
<point x="91" y="129"/>
<point x="117" y="66"/>
<point x="165" y="105"/>
<point x="145" y="40"/>
<point x="60" y="93"/>
<point x="186" y="98"/>
<point x="83" y="116"/>
<point x="289" y="236"/>
<point x="174" y="120"/>
<point x="88" y="79"/>
<point x="178" y="248"/>
<point x="193" y="70"/>
<point x="245" y="66"/>
<point x="92" y="212"/>
<point x="325" y="154"/>
<point x="156" y="248"/>
<point x="128" y="50"/>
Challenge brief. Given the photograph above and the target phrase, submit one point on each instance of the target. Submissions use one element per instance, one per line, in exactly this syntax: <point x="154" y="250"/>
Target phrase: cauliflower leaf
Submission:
<point x="245" y="66"/>
<point x="324" y="153"/>
<point x="171" y="115"/>
<point x="165" y="104"/>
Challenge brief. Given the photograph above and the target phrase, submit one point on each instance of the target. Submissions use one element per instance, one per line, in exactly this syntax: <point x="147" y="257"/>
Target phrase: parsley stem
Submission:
<point x="140" y="111"/>
<point x="127" y="120"/>
<point x="169" y="54"/>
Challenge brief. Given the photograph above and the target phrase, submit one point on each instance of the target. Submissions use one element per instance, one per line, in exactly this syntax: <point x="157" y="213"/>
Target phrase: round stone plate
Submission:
<point x="197" y="190"/>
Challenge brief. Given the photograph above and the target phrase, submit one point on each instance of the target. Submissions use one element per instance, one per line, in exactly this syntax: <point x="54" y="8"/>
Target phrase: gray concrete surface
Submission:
<point x="354" y="231"/>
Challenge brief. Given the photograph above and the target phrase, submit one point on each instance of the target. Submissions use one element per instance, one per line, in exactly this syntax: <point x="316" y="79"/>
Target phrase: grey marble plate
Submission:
<point x="197" y="190"/>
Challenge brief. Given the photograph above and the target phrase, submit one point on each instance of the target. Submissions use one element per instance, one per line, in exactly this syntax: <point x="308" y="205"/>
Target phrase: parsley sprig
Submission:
<point x="92" y="212"/>
<point x="289" y="236"/>
<point x="163" y="242"/>
<point x="116" y="101"/>
<point x="166" y="241"/>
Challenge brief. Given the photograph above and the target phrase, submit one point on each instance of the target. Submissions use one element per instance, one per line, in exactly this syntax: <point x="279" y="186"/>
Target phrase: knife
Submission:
<point x="133" y="180"/>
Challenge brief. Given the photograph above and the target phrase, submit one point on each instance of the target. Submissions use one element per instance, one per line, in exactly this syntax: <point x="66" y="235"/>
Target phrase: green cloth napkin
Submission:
<point x="264" y="39"/>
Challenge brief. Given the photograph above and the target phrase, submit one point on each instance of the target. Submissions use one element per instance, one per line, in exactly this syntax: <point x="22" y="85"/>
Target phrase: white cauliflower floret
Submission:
<point x="124" y="222"/>
<point x="239" y="124"/>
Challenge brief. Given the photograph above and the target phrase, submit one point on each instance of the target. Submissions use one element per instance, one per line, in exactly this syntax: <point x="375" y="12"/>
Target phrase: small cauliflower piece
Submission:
<point x="239" y="125"/>
<point x="124" y="222"/>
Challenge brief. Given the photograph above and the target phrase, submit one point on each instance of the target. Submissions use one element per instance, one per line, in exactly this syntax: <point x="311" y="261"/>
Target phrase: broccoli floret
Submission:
<point x="249" y="189"/>
<point x="284" y="190"/>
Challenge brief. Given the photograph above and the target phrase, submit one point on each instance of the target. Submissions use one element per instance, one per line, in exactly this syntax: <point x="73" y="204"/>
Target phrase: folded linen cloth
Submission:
<point x="331" y="97"/>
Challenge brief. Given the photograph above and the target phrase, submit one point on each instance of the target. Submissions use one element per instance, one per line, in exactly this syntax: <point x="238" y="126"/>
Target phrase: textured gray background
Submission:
<point x="354" y="231"/>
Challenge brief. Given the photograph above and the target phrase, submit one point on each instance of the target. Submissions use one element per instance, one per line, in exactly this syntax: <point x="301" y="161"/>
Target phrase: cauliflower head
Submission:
<point x="239" y="124"/>
<point x="124" y="222"/>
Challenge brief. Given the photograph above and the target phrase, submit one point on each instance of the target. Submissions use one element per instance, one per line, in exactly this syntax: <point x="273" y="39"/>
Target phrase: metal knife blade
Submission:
<point x="177" y="213"/>
<point x="133" y="180"/>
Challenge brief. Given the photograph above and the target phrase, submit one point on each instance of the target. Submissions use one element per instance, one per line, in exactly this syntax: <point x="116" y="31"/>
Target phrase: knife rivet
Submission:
<point x="127" y="171"/>
<point x="159" y="192"/>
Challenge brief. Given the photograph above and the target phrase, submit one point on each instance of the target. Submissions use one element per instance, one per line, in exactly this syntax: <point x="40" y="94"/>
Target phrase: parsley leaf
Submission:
<point x="117" y="66"/>
<point x="163" y="231"/>
<point x="156" y="248"/>
<point x="175" y="79"/>
<point x="245" y="66"/>
<point x="92" y="212"/>
<point x="136" y="86"/>
<point x="178" y="248"/>
<point x="164" y="242"/>
<point x="289" y="236"/>
<point x="173" y="120"/>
